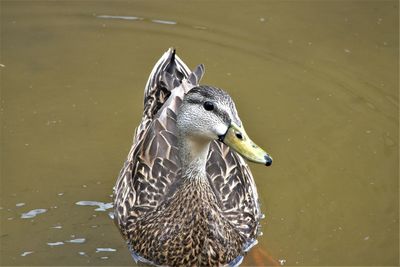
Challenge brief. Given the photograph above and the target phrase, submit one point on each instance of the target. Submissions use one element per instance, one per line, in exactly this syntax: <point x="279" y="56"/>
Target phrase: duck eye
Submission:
<point x="208" y="105"/>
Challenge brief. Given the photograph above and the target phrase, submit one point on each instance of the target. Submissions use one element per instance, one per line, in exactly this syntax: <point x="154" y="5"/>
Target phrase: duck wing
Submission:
<point x="151" y="168"/>
<point x="233" y="184"/>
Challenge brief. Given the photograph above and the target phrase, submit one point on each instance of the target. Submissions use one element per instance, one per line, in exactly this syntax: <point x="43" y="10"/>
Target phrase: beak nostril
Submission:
<point x="239" y="135"/>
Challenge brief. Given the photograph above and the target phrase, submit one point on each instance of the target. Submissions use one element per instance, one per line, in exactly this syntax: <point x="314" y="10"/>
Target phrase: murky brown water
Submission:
<point x="316" y="83"/>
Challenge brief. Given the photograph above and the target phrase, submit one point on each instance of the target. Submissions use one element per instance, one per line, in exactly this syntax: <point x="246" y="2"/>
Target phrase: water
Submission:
<point x="100" y="205"/>
<point x="315" y="83"/>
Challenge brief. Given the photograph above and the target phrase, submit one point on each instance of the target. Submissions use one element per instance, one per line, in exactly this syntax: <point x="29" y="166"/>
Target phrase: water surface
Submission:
<point x="315" y="83"/>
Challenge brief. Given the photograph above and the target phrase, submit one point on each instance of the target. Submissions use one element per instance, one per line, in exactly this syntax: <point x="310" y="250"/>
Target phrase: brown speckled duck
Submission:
<point x="185" y="196"/>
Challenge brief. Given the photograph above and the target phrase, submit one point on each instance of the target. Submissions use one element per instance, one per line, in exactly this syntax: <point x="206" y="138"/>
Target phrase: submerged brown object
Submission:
<point x="184" y="196"/>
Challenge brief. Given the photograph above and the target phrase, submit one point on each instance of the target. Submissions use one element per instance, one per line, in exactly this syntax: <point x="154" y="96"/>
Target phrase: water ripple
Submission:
<point x="101" y="205"/>
<point x="105" y="250"/>
<point x="77" y="240"/>
<point x="32" y="213"/>
<point x="119" y="17"/>
<point x="158" y="21"/>
<point x="53" y="244"/>
<point x="26" y="253"/>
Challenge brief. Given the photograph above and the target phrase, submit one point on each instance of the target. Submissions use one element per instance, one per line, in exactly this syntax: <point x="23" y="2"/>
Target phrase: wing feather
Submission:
<point x="152" y="164"/>
<point x="233" y="182"/>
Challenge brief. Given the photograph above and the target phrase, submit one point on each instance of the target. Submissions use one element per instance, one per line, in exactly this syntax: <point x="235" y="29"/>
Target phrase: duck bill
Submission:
<point x="237" y="139"/>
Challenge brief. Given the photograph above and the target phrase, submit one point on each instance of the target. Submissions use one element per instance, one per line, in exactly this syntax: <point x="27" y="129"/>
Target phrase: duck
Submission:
<point x="185" y="195"/>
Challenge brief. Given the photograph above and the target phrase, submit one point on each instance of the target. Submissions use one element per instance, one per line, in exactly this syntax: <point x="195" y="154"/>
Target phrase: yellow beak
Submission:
<point x="237" y="139"/>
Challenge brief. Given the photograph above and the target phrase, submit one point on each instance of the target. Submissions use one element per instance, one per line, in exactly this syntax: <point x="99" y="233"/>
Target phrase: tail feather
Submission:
<point x="196" y="75"/>
<point x="167" y="73"/>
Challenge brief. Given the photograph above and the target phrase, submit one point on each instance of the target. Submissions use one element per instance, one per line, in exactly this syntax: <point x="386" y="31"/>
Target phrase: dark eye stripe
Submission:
<point x="193" y="101"/>
<point x="223" y="115"/>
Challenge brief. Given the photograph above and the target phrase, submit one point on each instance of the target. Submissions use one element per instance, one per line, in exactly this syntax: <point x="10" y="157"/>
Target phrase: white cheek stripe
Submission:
<point x="220" y="129"/>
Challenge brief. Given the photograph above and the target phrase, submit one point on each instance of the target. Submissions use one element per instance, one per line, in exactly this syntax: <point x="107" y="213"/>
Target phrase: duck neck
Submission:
<point x="193" y="153"/>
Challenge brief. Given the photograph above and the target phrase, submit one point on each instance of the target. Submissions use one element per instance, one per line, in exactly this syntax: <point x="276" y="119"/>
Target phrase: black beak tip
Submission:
<point x="268" y="160"/>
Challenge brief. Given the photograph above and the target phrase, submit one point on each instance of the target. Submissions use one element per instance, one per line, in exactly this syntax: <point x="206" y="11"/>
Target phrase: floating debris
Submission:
<point x="82" y="253"/>
<point x="53" y="244"/>
<point x="32" y="213"/>
<point x="105" y="250"/>
<point x="111" y="215"/>
<point x="20" y="204"/>
<point x="101" y="205"/>
<point x="104" y="258"/>
<point x="60" y="194"/>
<point x="26" y="253"/>
<point x="282" y="262"/>
<point x="119" y="17"/>
<point x="168" y="22"/>
<point x="57" y="227"/>
<point x="77" y="240"/>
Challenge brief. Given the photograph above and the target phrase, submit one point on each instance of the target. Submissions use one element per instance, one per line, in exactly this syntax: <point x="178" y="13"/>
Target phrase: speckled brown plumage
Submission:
<point x="166" y="217"/>
<point x="187" y="230"/>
